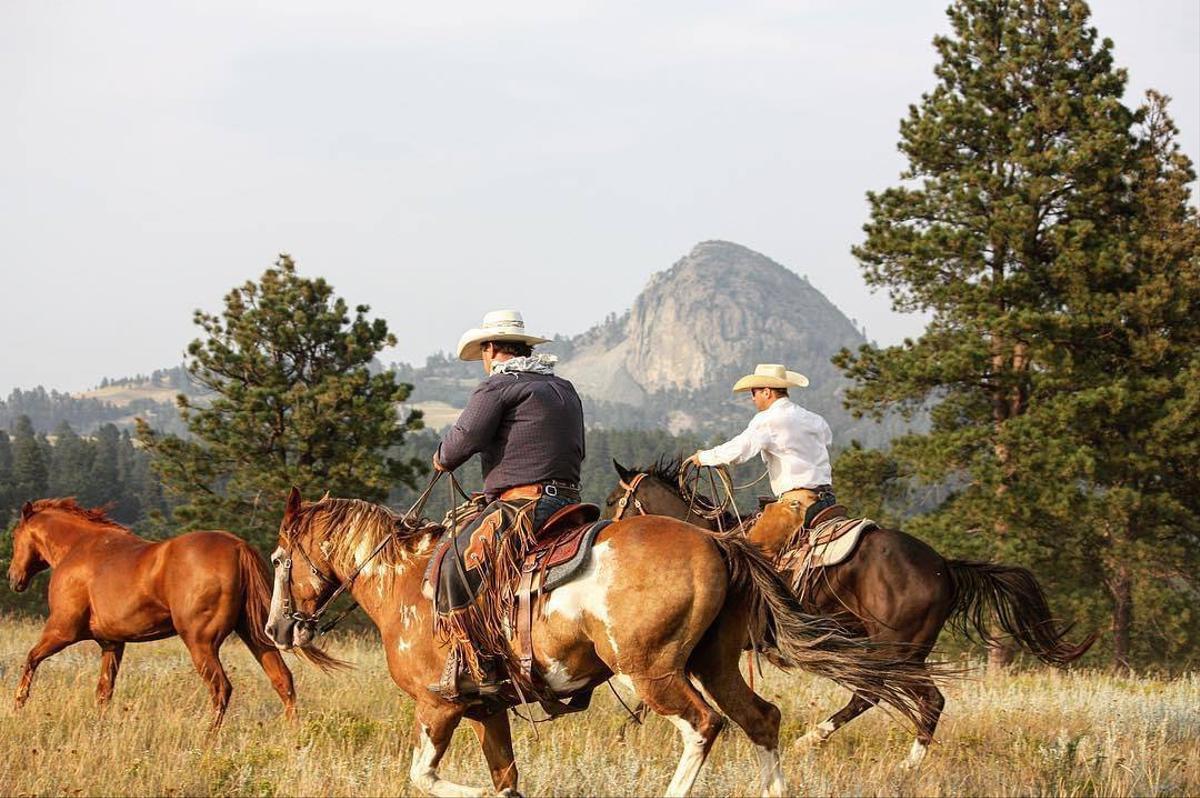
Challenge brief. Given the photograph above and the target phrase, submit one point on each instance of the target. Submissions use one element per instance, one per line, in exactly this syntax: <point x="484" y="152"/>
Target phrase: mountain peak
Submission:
<point x="715" y="313"/>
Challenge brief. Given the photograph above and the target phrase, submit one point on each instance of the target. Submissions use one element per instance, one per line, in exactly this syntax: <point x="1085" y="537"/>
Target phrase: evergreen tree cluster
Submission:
<point x="1047" y="228"/>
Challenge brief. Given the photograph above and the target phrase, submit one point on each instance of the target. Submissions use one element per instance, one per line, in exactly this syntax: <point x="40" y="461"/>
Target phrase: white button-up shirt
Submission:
<point x="792" y="441"/>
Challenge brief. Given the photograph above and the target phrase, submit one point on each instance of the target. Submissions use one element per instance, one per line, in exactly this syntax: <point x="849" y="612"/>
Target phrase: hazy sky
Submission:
<point x="436" y="160"/>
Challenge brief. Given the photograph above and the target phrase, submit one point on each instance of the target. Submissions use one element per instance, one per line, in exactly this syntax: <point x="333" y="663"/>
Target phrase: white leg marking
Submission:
<point x="425" y="776"/>
<point x="690" y="762"/>
<point x="770" y="772"/>
<point x="816" y="736"/>
<point x="915" y="755"/>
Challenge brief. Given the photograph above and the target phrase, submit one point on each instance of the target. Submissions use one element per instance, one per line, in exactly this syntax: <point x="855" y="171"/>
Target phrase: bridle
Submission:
<point x="406" y="521"/>
<point x="628" y="499"/>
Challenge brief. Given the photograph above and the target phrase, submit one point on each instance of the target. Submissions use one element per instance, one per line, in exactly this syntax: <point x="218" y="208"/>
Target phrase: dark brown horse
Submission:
<point x="113" y="587"/>
<point x="661" y="605"/>
<point x="894" y="590"/>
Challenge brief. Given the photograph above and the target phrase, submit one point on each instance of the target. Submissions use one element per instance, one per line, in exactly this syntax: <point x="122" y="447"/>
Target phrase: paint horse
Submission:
<point x="660" y="604"/>
<point x="114" y="587"/>
<point x="894" y="590"/>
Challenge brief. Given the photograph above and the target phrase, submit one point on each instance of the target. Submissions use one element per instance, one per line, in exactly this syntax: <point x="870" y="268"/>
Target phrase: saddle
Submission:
<point x="559" y="552"/>
<point x="830" y="539"/>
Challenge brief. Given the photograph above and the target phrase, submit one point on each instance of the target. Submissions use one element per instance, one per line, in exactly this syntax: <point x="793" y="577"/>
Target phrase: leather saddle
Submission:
<point x="831" y="540"/>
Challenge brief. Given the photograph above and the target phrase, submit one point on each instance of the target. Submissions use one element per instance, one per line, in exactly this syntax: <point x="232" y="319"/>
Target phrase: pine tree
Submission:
<point x="293" y="402"/>
<point x="1013" y="200"/>
<point x="30" y="474"/>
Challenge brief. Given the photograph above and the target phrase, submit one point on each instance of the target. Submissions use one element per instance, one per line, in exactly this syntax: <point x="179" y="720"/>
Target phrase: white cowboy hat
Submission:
<point x="499" y="325"/>
<point x="770" y="375"/>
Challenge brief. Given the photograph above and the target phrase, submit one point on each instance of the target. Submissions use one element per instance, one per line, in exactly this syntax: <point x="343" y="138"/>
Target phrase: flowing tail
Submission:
<point x="819" y="644"/>
<point x="1015" y="598"/>
<point x="257" y="580"/>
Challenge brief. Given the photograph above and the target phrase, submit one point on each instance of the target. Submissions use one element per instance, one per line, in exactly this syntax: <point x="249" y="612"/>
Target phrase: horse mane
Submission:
<point x="350" y="529"/>
<point x="668" y="468"/>
<point x="67" y="504"/>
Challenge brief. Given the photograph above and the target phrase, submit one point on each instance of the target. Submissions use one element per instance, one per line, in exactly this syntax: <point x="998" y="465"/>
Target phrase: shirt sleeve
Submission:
<point x="474" y="429"/>
<point x="739" y="450"/>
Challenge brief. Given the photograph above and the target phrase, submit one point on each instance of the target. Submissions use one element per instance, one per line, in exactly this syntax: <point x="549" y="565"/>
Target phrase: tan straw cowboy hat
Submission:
<point x="499" y="325"/>
<point x="770" y="375"/>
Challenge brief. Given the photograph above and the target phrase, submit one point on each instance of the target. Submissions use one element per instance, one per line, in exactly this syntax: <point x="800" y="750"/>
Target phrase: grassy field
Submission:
<point x="1023" y="734"/>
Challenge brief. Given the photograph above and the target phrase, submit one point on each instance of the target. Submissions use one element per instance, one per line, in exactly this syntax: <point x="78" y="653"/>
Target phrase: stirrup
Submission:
<point x="458" y="687"/>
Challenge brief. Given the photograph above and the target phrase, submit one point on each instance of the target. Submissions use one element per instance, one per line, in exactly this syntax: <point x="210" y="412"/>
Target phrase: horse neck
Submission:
<point x="384" y="590"/>
<point x="57" y="534"/>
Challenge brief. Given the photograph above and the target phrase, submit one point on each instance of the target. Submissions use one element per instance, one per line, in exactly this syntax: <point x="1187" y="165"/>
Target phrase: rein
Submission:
<point x="405" y="521"/>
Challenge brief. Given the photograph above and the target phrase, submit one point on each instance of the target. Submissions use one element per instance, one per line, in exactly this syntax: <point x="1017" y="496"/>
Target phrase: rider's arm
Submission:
<point x="475" y="428"/>
<point x="739" y="450"/>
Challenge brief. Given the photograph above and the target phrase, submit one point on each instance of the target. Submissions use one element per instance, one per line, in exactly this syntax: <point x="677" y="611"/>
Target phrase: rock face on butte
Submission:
<point x="702" y="323"/>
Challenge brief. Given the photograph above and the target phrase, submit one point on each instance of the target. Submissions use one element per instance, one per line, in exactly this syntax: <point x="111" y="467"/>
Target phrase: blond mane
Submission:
<point x="348" y="530"/>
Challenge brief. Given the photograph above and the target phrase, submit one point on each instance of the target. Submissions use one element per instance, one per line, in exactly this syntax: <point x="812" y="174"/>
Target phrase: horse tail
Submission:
<point x="1013" y="596"/>
<point x="256" y="586"/>
<point x="817" y="644"/>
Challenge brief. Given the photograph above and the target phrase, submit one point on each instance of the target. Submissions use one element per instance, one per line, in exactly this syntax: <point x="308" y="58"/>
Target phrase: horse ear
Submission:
<point x="293" y="503"/>
<point x="625" y="473"/>
<point x="26" y="511"/>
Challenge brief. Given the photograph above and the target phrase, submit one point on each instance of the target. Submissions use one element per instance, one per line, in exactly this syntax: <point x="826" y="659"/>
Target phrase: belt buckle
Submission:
<point x="550" y="489"/>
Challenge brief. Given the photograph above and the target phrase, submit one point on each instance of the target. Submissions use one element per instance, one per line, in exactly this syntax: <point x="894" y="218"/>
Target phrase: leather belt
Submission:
<point x="536" y="490"/>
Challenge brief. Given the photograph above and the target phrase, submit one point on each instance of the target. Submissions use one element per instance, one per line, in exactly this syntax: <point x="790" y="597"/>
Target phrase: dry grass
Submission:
<point x="1024" y="734"/>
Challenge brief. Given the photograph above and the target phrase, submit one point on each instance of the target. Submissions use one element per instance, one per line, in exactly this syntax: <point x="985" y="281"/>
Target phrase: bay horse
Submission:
<point x="662" y="605"/>
<point x="114" y="587"/>
<point x="894" y="590"/>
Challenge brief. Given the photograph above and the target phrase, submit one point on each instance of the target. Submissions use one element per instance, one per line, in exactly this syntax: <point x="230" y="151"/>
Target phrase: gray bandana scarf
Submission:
<point x="535" y="364"/>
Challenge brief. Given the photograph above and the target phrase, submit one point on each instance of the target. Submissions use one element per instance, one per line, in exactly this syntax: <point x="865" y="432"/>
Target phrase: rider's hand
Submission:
<point x="694" y="460"/>
<point x="437" y="466"/>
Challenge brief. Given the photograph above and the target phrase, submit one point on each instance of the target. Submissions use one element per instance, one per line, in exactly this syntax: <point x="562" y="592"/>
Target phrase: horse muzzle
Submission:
<point x="289" y="632"/>
<point x="17" y="584"/>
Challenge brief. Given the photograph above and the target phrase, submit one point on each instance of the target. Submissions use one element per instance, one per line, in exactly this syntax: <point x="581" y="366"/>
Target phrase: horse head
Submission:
<point x="654" y="490"/>
<point x="304" y="577"/>
<point x="28" y="559"/>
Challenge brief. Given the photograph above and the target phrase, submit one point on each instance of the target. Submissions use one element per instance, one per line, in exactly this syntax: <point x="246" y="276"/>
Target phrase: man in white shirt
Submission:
<point x="792" y="441"/>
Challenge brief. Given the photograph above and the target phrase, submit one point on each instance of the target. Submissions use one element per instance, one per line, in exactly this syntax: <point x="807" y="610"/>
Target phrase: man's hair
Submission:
<point x="514" y="348"/>
<point x="774" y="391"/>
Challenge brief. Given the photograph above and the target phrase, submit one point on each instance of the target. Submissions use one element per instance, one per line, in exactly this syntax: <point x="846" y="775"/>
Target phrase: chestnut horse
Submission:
<point x="661" y="604"/>
<point x="894" y="590"/>
<point x="114" y="587"/>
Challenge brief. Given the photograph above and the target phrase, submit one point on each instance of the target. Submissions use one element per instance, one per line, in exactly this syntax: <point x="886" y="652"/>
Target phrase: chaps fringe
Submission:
<point x="481" y="630"/>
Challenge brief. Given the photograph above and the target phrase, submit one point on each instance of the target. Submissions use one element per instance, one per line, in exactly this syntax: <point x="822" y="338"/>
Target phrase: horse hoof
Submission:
<point x="509" y="792"/>
<point x="808" y="742"/>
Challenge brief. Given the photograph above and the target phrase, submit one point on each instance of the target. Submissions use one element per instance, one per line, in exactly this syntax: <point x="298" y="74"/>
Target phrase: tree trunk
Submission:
<point x="1121" y="588"/>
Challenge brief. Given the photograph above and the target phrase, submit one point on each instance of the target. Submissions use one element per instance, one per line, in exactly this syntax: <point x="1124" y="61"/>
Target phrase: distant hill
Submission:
<point x="669" y="361"/>
<point x="665" y="363"/>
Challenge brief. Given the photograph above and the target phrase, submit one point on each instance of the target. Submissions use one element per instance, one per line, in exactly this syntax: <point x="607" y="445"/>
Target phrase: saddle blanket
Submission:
<point x="831" y="543"/>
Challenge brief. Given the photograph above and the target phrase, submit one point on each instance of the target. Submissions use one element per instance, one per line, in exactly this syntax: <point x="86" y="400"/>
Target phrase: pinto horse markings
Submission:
<point x="662" y="603"/>
<point x="894" y="590"/>
<point x="114" y="587"/>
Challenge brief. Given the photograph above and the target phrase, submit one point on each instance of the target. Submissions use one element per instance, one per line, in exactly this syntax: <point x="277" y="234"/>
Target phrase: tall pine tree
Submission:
<point x="1009" y="229"/>
<point x="293" y="402"/>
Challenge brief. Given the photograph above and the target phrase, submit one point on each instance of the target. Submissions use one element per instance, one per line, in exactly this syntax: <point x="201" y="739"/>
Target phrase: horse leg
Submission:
<point x="208" y="665"/>
<point x="434" y="728"/>
<point x="857" y="705"/>
<point x="931" y="702"/>
<point x="271" y="661"/>
<point x="757" y="717"/>
<point x="674" y="697"/>
<point x="110" y="663"/>
<point x="495" y="737"/>
<point x="53" y="640"/>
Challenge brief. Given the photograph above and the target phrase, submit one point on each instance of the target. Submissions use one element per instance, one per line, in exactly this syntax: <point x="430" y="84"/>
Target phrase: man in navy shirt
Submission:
<point x="526" y="425"/>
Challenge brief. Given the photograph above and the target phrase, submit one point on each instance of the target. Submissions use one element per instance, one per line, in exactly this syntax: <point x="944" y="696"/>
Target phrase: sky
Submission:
<point x="438" y="160"/>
